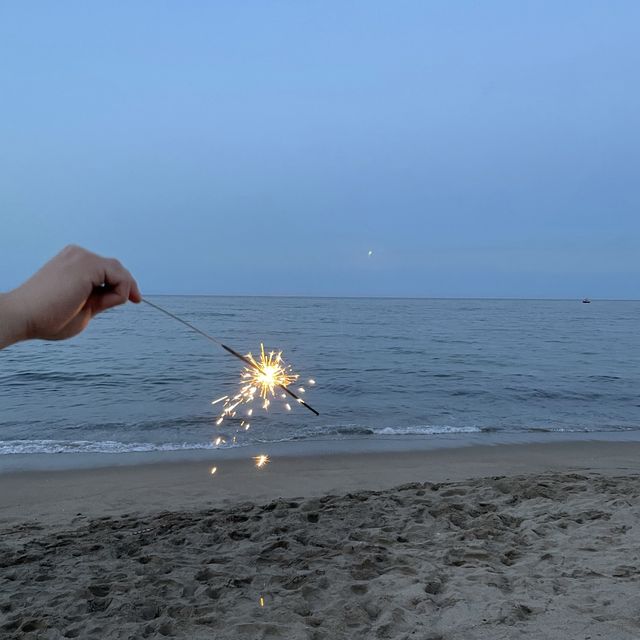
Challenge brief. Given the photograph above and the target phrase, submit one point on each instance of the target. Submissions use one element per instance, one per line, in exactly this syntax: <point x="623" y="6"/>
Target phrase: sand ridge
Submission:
<point x="545" y="556"/>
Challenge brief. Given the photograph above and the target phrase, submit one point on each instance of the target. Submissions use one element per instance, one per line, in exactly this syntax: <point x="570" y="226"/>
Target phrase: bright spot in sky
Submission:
<point x="370" y="252"/>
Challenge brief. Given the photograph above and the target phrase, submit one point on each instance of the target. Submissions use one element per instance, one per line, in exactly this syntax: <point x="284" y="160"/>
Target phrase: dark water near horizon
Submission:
<point x="385" y="368"/>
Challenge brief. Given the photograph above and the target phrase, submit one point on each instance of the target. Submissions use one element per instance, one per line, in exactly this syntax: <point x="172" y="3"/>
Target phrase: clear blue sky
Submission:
<point x="480" y="149"/>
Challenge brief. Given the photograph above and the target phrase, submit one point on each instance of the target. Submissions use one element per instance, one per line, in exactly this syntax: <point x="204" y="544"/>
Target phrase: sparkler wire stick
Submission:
<point x="233" y="352"/>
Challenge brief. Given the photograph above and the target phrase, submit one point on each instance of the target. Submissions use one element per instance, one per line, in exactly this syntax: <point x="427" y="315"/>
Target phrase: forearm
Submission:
<point x="12" y="327"/>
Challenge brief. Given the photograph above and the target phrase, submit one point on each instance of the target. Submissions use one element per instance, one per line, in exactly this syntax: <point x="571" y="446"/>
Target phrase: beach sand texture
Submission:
<point x="540" y="555"/>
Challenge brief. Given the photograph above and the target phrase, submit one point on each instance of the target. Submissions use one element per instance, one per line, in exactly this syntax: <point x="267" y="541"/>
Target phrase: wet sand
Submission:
<point x="538" y="541"/>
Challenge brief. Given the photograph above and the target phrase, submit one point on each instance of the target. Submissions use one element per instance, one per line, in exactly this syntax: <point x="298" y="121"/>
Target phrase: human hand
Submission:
<point x="61" y="298"/>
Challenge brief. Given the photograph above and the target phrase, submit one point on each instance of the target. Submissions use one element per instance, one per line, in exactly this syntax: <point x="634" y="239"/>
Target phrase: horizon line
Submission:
<point x="384" y="297"/>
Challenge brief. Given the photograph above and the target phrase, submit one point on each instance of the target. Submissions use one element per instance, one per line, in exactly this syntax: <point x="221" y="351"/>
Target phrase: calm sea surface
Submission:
<point x="384" y="369"/>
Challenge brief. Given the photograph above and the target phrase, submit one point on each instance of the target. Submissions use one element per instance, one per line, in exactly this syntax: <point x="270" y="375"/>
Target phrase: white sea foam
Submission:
<point x="427" y="430"/>
<point x="88" y="446"/>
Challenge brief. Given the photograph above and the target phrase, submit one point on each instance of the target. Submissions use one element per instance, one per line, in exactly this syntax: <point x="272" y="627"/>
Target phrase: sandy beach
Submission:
<point x="539" y="541"/>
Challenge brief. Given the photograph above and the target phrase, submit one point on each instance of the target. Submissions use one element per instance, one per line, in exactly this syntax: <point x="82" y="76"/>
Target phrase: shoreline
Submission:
<point x="354" y="446"/>
<point x="60" y="496"/>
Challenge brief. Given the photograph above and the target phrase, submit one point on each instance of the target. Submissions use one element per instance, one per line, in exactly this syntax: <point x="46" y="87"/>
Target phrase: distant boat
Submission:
<point x="585" y="301"/>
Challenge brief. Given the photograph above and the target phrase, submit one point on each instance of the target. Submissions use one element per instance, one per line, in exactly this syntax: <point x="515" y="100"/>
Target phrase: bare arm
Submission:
<point x="61" y="298"/>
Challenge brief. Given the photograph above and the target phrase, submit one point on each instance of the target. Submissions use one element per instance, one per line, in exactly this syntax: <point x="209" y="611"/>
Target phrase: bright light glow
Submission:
<point x="262" y="378"/>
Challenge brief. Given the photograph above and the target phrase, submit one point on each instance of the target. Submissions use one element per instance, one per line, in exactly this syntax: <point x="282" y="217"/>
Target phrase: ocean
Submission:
<point x="386" y="370"/>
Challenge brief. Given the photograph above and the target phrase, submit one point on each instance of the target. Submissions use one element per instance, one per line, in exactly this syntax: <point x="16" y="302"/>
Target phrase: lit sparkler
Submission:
<point x="276" y="374"/>
<point x="261" y="378"/>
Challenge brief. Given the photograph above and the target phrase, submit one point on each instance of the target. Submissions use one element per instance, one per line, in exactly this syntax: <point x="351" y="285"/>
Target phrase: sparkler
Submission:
<point x="263" y="375"/>
<point x="259" y="377"/>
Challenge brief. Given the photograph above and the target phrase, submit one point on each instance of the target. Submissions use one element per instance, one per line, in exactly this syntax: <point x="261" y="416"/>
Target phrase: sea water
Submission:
<point x="386" y="370"/>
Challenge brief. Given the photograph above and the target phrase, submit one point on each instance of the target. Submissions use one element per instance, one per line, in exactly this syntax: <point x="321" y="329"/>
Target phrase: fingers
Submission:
<point x="119" y="281"/>
<point x="134" y="293"/>
<point x="102" y="300"/>
<point x="119" y="287"/>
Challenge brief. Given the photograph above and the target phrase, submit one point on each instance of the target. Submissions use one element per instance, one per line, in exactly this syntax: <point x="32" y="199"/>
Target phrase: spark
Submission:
<point x="312" y="381"/>
<point x="213" y="470"/>
<point x="264" y="378"/>
<point x="301" y="389"/>
<point x="288" y="406"/>
<point x="219" y="400"/>
<point x="370" y="252"/>
<point x="262" y="460"/>
<point x="261" y="601"/>
<point x="269" y="372"/>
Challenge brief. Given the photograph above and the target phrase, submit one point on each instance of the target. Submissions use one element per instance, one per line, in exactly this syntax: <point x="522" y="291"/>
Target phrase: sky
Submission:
<point x="264" y="148"/>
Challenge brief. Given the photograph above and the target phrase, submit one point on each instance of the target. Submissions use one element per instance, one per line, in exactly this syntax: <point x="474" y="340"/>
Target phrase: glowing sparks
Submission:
<point x="312" y="381"/>
<point x="261" y="601"/>
<point x="269" y="372"/>
<point x="262" y="378"/>
<point x="259" y="377"/>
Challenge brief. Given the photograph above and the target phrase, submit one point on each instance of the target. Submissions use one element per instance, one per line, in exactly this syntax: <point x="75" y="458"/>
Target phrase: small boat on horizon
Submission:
<point x="586" y="301"/>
